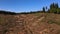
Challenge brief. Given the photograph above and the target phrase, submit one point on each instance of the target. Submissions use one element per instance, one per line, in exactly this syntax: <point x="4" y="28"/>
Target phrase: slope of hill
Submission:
<point x="36" y="23"/>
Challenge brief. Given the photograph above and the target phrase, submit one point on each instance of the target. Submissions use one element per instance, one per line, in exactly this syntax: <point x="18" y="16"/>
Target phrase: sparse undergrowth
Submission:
<point x="1" y="20"/>
<point x="52" y="21"/>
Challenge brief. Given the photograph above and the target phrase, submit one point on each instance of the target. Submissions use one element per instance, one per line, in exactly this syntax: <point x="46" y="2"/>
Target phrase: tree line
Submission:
<point x="7" y="12"/>
<point x="54" y="8"/>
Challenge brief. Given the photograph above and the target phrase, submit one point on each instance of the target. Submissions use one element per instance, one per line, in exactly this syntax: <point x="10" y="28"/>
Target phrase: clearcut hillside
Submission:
<point x="35" y="23"/>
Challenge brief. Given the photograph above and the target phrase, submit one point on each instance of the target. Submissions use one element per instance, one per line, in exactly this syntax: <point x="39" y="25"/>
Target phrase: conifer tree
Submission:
<point x="43" y="9"/>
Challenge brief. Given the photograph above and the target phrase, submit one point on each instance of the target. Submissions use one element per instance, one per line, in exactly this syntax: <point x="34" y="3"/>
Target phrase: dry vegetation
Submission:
<point x="37" y="23"/>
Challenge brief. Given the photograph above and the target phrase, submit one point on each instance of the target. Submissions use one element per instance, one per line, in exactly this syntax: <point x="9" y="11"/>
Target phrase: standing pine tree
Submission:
<point x="52" y="6"/>
<point x="43" y="9"/>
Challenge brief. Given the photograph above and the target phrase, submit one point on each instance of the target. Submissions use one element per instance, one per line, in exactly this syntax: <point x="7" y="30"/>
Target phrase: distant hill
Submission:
<point x="7" y="12"/>
<point x="13" y="13"/>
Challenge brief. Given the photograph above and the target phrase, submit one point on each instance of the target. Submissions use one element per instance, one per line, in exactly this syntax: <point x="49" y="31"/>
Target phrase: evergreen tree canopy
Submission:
<point x="54" y="8"/>
<point x="43" y="9"/>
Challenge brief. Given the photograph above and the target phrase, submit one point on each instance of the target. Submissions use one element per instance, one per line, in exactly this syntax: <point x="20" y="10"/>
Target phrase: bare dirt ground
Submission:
<point x="42" y="23"/>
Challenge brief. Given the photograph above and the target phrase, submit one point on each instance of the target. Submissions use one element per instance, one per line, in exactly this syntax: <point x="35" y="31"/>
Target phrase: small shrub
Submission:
<point x="51" y="21"/>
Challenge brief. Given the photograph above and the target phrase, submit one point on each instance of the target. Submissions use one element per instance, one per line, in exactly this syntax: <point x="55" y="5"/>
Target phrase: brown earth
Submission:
<point x="38" y="23"/>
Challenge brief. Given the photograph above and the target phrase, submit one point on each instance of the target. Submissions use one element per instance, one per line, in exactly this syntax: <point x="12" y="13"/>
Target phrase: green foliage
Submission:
<point x="52" y="21"/>
<point x="53" y="10"/>
<point x="54" y="5"/>
<point x="58" y="10"/>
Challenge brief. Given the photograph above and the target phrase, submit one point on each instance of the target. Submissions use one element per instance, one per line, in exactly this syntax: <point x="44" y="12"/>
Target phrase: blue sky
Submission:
<point x="25" y="5"/>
